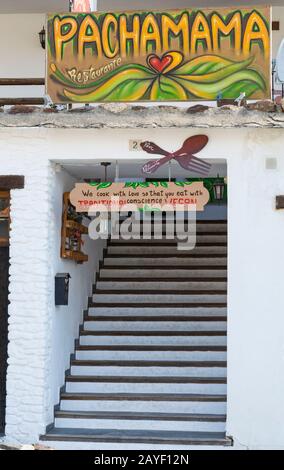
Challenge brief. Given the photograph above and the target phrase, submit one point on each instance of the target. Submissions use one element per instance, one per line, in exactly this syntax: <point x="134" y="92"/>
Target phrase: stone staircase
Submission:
<point x="150" y="364"/>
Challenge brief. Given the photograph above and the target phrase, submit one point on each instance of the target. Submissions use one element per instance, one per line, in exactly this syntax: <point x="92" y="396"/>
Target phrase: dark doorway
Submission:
<point x="4" y="281"/>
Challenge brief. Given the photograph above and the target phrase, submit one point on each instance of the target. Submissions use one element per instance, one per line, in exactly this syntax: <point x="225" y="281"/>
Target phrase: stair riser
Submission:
<point x="208" y="238"/>
<point x="204" y="236"/>
<point x="170" y="226"/>
<point x="155" y="286"/>
<point x="148" y="311"/>
<point x="153" y="355"/>
<point x="165" y="261"/>
<point x="154" y="340"/>
<point x="194" y="426"/>
<point x="157" y="325"/>
<point x="180" y="221"/>
<point x="152" y="273"/>
<point x="144" y="406"/>
<point x="106" y="387"/>
<point x="150" y="371"/>
<point x="162" y="298"/>
<point x="163" y="250"/>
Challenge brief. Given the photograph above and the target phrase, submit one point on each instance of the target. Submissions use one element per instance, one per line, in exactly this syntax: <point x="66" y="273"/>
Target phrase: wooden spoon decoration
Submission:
<point x="184" y="156"/>
<point x="152" y="166"/>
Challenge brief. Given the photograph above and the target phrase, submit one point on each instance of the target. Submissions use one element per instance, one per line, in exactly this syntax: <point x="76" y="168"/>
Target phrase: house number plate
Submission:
<point x="134" y="145"/>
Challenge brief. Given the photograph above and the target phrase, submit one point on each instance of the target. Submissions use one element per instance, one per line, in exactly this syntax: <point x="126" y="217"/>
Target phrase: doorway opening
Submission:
<point x="154" y="336"/>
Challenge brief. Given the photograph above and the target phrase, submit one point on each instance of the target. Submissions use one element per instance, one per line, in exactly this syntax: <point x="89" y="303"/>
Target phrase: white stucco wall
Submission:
<point x="41" y="336"/>
<point x="21" y="53"/>
<point x="30" y="309"/>
<point x="66" y="319"/>
<point x="255" y="265"/>
<point x="277" y="36"/>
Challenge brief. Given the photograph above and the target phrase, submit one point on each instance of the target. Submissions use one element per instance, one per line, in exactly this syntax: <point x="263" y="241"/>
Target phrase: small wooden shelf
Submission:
<point x="76" y="256"/>
<point x="73" y="225"/>
<point x="71" y="233"/>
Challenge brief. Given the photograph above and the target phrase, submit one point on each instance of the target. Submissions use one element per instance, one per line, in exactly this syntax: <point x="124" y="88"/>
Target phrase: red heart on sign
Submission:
<point x="159" y="65"/>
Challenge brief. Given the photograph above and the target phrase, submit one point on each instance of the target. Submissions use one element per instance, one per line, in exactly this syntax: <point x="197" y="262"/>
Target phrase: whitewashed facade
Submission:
<point x="41" y="336"/>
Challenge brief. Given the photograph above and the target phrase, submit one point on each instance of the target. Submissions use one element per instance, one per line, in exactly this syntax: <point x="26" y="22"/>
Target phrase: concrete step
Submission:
<point x="165" y="261"/>
<point x="89" y="354"/>
<point x="150" y="368"/>
<point x="140" y="421"/>
<point x="166" y="272"/>
<point x="179" y="216"/>
<point x="142" y="298"/>
<point x="154" y="338"/>
<point x="73" y="444"/>
<point x="172" y="311"/>
<point x="118" y="439"/>
<point x="171" y="225"/>
<point x="214" y="238"/>
<point x="159" y="285"/>
<point x="163" y="237"/>
<point x="155" y="325"/>
<point x="163" y="250"/>
<point x="154" y="403"/>
<point x="207" y="226"/>
<point x="142" y="384"/>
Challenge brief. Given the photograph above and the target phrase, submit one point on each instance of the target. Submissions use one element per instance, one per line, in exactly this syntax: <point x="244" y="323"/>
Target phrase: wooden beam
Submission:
<point x="21" y="101"/>
<point x="12" y="182"/>
<point x="21" y="81"/>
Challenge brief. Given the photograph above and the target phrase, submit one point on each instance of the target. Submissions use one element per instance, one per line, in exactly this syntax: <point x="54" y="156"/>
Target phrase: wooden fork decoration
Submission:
<point x="184" y="156"/>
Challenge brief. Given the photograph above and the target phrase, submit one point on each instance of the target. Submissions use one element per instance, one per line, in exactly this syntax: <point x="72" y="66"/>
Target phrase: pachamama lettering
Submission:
<point x="111" y="35"/>
<point x="229" y="47"/>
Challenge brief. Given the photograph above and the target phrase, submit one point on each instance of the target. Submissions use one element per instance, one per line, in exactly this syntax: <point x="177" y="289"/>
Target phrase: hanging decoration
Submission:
<point x="184" y="156"/>
<point x="113" y="197"/>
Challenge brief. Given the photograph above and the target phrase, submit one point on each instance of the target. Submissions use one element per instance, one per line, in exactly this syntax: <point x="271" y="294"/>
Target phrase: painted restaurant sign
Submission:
<point x="166" y="196"/>
<point x="159" y="56"/>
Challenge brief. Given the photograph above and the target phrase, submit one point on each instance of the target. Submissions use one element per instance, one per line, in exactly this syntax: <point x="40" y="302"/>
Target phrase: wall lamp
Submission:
<point x="42" y="37"/>
<point x="219" y="189"/>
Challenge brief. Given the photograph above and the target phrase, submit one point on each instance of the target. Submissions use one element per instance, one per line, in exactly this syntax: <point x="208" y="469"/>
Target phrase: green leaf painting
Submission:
<point x="104" y="185"/>
<point x="204" y="77"/>
<point x="144" y="184"/>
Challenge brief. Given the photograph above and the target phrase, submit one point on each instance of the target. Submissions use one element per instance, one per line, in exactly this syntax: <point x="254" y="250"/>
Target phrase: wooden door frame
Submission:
<point x="4" y="242"/>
